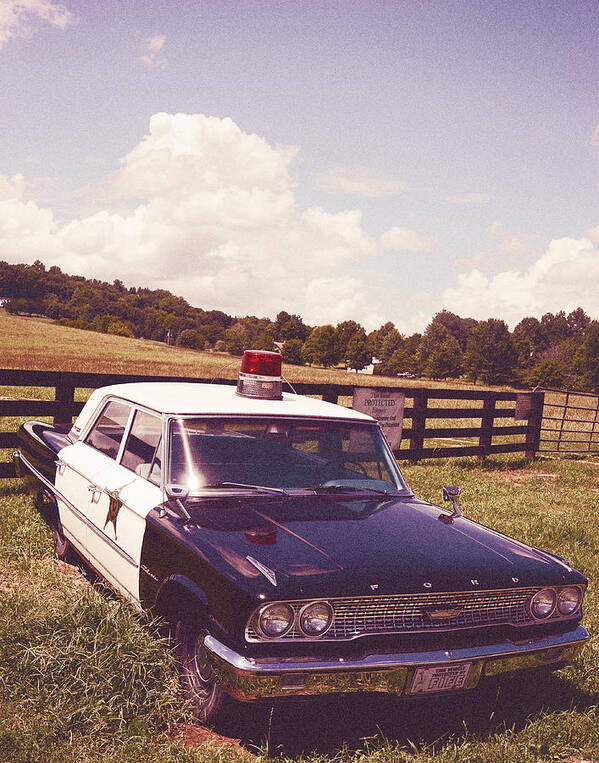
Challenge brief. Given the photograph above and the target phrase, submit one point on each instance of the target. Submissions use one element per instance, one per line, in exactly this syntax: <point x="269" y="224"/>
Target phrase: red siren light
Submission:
<point x="260" y="375"/>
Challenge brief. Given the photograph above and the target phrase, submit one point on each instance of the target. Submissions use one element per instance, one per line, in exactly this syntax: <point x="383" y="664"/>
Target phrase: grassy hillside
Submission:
<point x="37" y="343"/>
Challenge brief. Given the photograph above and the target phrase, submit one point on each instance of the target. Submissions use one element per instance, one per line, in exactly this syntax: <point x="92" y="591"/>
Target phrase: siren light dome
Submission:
<point x="260" y="375"/>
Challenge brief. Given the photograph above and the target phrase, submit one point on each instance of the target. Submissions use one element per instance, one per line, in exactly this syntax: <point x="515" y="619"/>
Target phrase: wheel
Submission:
<point x="195" y="673"/>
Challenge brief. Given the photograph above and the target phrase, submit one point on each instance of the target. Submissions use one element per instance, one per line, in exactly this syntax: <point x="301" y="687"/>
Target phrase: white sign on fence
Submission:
<point x="384" y="406"/>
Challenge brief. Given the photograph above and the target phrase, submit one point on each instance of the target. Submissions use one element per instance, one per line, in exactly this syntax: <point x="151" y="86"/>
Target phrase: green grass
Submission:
<point x="84" y="677"/>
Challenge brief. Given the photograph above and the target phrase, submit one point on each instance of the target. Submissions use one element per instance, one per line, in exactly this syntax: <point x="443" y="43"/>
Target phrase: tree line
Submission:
<point x="556" y="350"/>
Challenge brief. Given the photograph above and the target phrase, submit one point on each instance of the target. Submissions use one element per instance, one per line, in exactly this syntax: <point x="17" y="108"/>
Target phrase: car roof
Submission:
<point x="188" y="398"/>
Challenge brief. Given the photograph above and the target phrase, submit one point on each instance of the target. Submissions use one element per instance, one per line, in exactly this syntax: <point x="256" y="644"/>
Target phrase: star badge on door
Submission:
<point x="113" y="512"/>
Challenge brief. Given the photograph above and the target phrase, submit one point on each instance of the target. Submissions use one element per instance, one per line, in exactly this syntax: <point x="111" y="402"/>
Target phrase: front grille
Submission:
<point x="415" y="613"/>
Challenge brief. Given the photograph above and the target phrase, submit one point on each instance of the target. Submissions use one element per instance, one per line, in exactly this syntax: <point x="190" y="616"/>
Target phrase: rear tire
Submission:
<point x="195" y="674"/>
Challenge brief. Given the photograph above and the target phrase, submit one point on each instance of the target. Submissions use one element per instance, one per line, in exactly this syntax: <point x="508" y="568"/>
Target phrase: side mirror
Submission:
<point x="451" y="493"/>
<point x="179" y="495"/>
<point x="177" y="492"/>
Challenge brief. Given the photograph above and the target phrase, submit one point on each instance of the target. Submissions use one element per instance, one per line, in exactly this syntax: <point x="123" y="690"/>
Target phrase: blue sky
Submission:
<point x="368" y="160"/>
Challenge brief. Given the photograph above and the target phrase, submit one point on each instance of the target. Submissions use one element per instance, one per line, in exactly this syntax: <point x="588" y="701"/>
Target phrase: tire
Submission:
<point x="195" y="674"/>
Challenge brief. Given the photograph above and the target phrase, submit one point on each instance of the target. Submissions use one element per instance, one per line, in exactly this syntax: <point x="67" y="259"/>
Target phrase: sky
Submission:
<point x="376" y="161"/>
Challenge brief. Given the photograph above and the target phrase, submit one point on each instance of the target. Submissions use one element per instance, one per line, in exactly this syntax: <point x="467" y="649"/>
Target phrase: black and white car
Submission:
<point x="277" y="536"/>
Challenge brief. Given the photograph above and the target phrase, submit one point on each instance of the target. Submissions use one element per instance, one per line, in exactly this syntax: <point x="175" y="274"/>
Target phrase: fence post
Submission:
<point x="487" y="421"/>
<point x="533" y="434"/>
<point x="65" y="397"/>
<point x="418" y="425"/>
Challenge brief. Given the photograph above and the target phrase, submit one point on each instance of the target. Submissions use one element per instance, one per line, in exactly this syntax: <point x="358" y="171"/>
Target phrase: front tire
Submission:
<point x="195" y="674"/>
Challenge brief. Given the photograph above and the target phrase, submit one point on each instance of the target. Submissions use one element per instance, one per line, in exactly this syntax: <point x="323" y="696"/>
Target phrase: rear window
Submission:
<point x="141" y="453"/>
<point x="107" y="433"/>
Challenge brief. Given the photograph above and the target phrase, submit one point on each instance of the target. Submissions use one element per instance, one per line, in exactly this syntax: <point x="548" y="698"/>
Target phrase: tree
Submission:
<point x="290" y="327"/>
<point x="237" y="339"/>
<point x="530" y="340"/>
<point x="547" y="373"/>
<point x="358" y="354"/>
<point x="588" y="357"/>
<point x="376" y="338"/>
<point x="292" y="352"/>
<point x="344" y="333"/>
<point x="445" y="359"/>
<point x="440" y="353"/>
<point x="578" y="321"/>
<point x="190" y="338"/>
<point x="460" y="328"/>
<point x="118" y="328"/>
<point x="490" y="353"/>
<point x="321" y="347"/>
<point x="556" y="327"/>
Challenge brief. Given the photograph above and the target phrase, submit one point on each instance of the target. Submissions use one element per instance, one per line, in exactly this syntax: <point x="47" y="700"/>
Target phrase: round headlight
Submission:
<point x="542" y="603"/>
<point x="568" y="600"/>
<point x="276" y="620"/>
<point x="315" y="619"/>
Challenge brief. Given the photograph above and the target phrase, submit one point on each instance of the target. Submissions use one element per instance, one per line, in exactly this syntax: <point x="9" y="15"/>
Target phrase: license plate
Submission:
<point x="446" y="678"/>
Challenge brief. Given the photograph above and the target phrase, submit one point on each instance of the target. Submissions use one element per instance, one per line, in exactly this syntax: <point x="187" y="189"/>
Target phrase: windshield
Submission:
<point x="279" y="453"/>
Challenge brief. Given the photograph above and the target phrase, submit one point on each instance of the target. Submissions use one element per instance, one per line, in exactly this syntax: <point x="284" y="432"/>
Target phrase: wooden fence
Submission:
<point x="433" y="413"/>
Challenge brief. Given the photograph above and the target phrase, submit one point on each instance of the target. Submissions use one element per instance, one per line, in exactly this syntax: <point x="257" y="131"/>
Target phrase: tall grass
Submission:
<point x="84" y="677"/>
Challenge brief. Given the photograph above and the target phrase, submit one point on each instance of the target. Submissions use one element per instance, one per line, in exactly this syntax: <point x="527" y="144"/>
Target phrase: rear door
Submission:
<point x="125" y="494"/>
<point x="82" y="467"/>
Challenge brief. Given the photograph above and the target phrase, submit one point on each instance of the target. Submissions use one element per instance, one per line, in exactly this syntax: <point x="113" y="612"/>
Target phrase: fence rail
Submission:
<point x="427" y="437"/>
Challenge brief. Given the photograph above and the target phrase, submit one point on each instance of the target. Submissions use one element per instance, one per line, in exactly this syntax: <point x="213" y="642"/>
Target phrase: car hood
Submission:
<point x="344" y="545"/>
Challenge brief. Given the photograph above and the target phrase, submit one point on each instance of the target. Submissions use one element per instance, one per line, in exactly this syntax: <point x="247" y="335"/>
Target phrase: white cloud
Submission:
<point x="358" y="182"/>
<point x="407" y="240"/>
<point x="469" y="199"/>
<point x="16" y="17"/>
<point x="509" y="243"/>
<point x="563" y="278"/>
<point x="214" y="219"/>
<point x="152" y="57"/>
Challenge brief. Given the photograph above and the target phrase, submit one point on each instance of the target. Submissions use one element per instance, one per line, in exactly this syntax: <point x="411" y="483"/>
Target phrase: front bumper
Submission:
<point x="248" y="678"/>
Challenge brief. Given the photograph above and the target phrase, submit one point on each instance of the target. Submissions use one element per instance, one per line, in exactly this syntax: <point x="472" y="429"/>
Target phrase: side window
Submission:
<point x="107" y="432"/>
<point x="141" y="454"/>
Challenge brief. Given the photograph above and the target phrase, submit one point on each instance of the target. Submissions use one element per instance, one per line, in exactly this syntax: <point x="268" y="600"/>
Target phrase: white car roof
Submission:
<point x="187" y="398"/>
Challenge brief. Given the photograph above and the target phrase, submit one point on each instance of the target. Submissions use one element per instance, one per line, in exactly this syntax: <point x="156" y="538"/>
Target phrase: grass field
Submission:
<point x="37" y="343"/>
<point x="83" y="677"/>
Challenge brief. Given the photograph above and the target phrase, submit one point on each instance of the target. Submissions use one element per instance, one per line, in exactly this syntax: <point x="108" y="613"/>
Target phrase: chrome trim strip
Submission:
<point x="264" y="667"/>
<point x="74" y="510"/>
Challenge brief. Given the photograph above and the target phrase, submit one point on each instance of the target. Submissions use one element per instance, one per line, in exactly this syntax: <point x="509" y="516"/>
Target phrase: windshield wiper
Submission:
<point x="260" y="488"/>
<point x="353" y="489"/>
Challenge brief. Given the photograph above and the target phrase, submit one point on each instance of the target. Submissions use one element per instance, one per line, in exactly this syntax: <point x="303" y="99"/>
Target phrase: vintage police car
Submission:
<point x="277" y="536"/>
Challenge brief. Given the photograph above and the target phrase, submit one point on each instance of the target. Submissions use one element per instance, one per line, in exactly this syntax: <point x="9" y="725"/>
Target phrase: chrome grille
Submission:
<point x="415" y="613"/>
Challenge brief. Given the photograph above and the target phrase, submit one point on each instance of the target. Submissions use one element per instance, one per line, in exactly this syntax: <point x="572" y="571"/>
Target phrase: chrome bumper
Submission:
<point x="248" y="678"/>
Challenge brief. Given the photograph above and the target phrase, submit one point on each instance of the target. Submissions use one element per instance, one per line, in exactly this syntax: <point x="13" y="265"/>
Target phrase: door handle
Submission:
<point x="95" y="491"/>
<point x="61" y="466"/>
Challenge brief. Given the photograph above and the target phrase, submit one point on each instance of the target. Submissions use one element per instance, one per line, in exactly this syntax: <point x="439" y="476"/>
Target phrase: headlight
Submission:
<point x="568" y="600"/>
<point x="276" y="620"/>
<point x="315" y="619"/>
<point x="542" y="603"/>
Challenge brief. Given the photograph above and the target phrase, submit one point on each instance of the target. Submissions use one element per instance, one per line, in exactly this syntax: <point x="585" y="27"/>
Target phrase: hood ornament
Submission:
<point x="266" y="571"/>
<point x="451" y="493"/>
